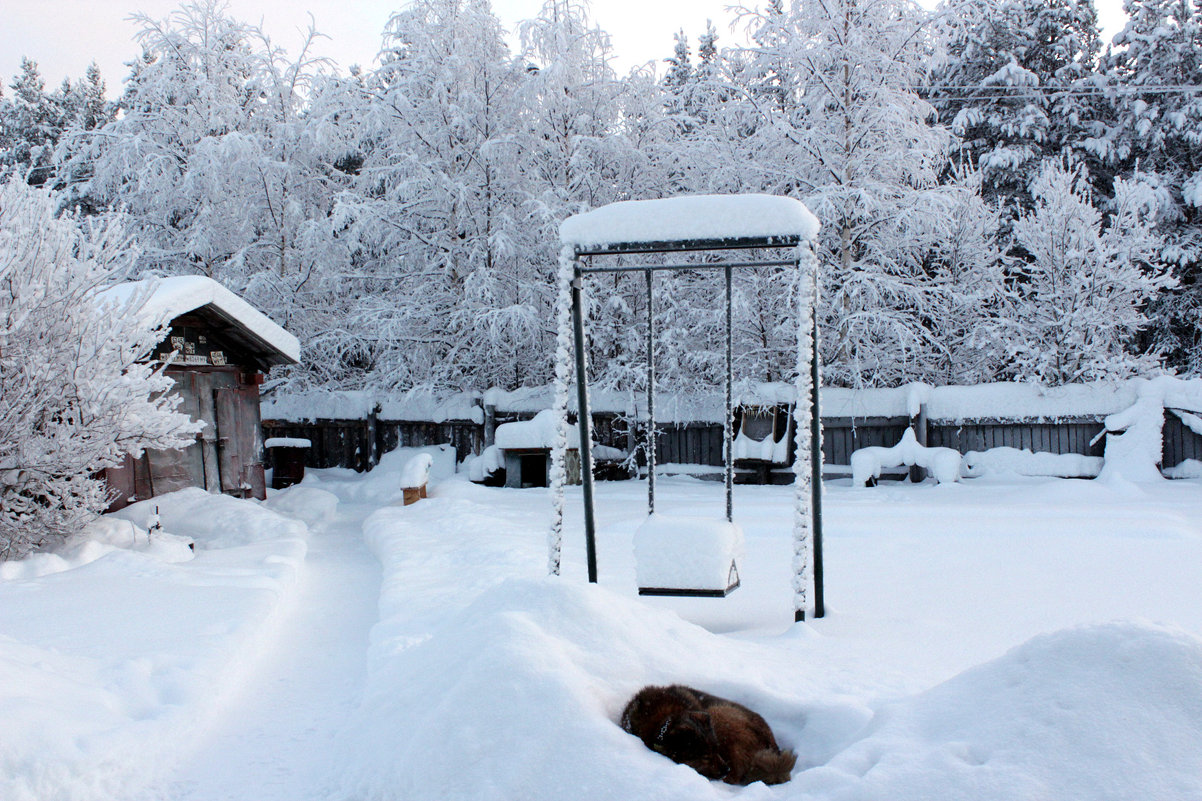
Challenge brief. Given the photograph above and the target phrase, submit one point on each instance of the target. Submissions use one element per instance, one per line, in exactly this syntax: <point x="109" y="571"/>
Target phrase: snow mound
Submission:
<point x="1024" y="462"/>
<point x="383" y="485"/>
<point x="311" y="505"/>
<point x="109" y="675"/>
<point x="417" y="471"/>
<point x="1106" y="713"/>
<point x="1190" y="468"/>
<point x="213" y="521"/>
<point x="942" y="463"/>
<point x="102" y="536"/>
<point x="766" y="449"/>
<point x="488" y="462"/>
<point x="518" y="695"/>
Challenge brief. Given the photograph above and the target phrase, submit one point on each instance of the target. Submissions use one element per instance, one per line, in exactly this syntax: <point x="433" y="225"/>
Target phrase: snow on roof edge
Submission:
<point x="171" y="297"/>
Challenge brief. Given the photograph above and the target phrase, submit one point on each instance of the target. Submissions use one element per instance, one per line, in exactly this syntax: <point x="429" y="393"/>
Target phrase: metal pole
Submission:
<point x="816" y="463"/>
<point x="728" y="433"/>
<point x="586" y="436"/>
<point x="650" y="397"/>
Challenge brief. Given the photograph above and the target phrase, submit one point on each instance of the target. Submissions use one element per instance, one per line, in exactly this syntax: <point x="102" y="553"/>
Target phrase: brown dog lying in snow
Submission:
<point x="719" y="739"/>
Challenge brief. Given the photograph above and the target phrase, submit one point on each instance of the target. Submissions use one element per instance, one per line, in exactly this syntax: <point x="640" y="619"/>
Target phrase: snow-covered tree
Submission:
<point x="30" y="125"/>
<point x="434" y="217"/>
<point x="840" y="125"/>
<point x="74" y="397"/>
<point x="1151" y="79"/>
<point x="581" y="123"/>
<point x="1013" y="85"/>
<point x="1085" y="283"/>
<point x="216" y="166"/>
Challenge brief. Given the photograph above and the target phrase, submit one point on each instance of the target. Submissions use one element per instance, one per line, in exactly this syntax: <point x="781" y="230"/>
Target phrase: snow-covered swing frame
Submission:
<point x="692" y="224"/>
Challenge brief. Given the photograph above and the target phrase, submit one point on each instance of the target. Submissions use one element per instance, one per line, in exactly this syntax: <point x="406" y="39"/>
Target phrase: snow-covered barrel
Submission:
<point x="687" y="556"/>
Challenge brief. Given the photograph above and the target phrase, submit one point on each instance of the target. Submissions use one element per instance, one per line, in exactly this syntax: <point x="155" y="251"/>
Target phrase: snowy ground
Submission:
<point x="1034" y="639"/>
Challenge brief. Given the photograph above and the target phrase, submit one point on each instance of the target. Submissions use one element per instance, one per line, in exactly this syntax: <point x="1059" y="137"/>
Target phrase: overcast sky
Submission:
<point x="64" y="36"/>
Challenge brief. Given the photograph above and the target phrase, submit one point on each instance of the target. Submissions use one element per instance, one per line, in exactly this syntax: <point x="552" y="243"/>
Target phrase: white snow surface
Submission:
<point x="686" y="552"/>
<point x="171" y="297"/>
<point x="1018" y="638"/>
<point x="689" y="217"/>
<point x="943" y="464"/>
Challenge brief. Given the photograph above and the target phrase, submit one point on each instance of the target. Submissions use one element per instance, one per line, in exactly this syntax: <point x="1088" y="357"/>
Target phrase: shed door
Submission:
<point x="160" y="472"/>
<point x="238" y="441"/>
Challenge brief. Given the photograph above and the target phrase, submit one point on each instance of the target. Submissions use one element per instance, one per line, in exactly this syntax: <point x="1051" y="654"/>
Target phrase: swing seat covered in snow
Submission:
<point x="696" y="556"/>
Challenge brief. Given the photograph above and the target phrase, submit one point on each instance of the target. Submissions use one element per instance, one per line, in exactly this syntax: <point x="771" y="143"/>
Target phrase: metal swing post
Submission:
<point x="584" y="423"/>
<point x="728" y="429"/>
<point x="816" y="464"/>
<point x="650" y="396"/>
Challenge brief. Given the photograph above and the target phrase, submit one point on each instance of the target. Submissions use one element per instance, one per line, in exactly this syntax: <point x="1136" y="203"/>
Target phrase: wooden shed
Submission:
<point x="219" y="348"/>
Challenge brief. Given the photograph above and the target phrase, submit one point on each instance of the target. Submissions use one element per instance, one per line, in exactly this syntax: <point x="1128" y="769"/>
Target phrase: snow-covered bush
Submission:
<point x="73" y="397"/>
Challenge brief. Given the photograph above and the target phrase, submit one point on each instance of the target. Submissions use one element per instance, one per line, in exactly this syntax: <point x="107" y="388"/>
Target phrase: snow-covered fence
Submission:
<point x="1060" y="420"/>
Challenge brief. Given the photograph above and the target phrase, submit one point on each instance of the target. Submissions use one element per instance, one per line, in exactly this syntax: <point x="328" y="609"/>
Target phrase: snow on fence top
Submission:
<point x="171" y="297"/>
<point x="1001" y="401"/>
<point x="689" y="217"/>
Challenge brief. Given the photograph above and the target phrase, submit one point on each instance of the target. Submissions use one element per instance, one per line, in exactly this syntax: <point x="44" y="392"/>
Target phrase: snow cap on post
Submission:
<point x="689" y="217"/>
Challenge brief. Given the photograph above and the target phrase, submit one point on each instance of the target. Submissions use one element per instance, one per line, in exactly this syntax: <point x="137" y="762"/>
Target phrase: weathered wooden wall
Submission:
<point x="1066" y="436"/>
<point x="1180" y="443"/>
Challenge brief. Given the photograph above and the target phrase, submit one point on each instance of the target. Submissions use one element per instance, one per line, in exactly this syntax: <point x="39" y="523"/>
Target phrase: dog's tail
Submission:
<point x="771" y="766"/>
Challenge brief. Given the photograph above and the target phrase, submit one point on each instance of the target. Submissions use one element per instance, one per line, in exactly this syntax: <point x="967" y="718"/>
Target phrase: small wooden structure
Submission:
<point x="218" y="349"/>
<point x="415" y="477"/>
<point x="288" y="456"/>
<point x="526" y="448"/>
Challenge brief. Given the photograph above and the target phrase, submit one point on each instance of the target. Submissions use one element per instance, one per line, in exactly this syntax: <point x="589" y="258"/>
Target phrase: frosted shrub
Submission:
<point x="73" y="399"/>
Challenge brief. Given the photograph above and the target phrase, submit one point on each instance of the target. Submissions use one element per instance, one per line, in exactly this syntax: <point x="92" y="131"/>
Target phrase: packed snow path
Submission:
<point x="273" y="740"/>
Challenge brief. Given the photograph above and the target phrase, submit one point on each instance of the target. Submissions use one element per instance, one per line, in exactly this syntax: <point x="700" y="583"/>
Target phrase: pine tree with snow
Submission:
<point x="74" y="397"/>
<point x="1152" y="75"/>
<point x="30" y="128"/>
<point x="1014" y="86"/>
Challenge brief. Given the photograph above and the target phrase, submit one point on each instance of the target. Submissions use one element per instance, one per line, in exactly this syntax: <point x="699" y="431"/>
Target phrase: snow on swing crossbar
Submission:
<point x="675" y="555"/>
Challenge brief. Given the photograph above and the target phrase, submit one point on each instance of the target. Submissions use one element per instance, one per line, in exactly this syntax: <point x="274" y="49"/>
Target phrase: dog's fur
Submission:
<point x="719" y="739"/>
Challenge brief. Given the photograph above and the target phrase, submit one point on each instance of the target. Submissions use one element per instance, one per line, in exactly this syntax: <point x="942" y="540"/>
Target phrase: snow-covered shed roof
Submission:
<point x="171" y="297"/>
<point x="700" y="218"/>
